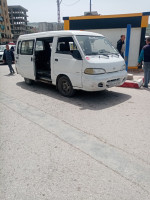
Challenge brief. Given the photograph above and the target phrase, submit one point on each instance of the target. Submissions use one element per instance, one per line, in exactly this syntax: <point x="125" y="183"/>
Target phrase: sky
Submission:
<point x="46" y="10"/>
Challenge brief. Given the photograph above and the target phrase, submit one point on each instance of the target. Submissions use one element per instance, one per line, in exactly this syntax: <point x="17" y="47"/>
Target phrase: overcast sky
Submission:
<point x="46" y="10"/>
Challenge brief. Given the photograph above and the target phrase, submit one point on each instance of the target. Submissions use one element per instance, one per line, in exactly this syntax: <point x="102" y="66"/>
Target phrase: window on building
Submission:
<point x="1" y="19"/>
<point x="27" y="47"/>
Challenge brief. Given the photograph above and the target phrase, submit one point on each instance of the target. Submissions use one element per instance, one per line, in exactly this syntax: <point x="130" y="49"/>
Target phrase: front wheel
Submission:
<point x="28" y="81"/>
<point x="65" y="87"/>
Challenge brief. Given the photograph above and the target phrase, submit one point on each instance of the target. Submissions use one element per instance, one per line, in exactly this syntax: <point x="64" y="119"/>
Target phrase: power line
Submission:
<point x="58" y="8"/>
<point x="72" y="3"/>
<point x="60" y="1"/>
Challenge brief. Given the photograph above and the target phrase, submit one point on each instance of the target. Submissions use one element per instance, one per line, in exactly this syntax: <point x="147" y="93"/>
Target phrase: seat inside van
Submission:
<point x="43" y="57"/>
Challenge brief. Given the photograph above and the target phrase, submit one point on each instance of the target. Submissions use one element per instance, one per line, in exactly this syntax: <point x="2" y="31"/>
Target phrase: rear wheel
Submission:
<point x="65" y="87"/>
<point x="28" y="81"/>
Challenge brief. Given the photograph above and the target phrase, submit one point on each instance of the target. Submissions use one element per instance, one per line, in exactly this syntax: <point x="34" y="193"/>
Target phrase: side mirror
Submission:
<point x="76" y="54"/>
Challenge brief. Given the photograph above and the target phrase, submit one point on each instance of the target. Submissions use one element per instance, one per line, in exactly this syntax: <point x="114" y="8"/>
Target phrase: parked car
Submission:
<point x="2" y="48"/>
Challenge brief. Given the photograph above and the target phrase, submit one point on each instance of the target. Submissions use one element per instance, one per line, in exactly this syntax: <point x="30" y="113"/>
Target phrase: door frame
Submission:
<point x="27" y="61"/>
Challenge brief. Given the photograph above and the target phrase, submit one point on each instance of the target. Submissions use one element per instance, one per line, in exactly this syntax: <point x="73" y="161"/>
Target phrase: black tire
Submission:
<point x="65" y="87"/>
<point x="28" y="81"/>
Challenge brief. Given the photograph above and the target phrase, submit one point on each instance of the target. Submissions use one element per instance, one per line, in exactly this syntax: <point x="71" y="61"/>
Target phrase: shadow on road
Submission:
<point x="84" y="100"/>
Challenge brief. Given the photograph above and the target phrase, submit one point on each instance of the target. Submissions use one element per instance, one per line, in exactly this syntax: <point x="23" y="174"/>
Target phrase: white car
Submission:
<point x="2" y="48"/>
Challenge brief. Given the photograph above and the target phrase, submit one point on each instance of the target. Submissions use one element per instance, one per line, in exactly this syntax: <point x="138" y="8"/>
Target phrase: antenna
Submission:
<point x="58" y="10"/>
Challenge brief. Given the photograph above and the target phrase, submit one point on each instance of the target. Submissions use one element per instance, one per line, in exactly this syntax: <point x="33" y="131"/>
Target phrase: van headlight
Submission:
<point x="94" y="71"/>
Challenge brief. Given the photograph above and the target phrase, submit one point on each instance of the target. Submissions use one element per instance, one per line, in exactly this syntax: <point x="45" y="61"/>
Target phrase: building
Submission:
<point x="5" y="28"/>
<point x="47" y="26"/>
<point x="148" y="30"/>
<point x="32" y="29"/>
<point x="18" y="20"/>
<point x="113" y="26"/>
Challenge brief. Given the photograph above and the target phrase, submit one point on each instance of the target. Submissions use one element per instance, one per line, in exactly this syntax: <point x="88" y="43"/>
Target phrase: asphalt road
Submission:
<point x="94" y="146"/>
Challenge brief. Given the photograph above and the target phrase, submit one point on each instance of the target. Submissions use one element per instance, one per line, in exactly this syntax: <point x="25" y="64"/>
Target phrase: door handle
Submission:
<point x="56" y="59"/>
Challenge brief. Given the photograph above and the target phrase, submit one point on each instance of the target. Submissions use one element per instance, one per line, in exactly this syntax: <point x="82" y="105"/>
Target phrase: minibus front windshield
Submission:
<point x="96" y="45"/>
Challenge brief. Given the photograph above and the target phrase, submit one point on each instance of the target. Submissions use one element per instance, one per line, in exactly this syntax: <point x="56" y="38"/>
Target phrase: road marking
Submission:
<point x="122" y="163"/>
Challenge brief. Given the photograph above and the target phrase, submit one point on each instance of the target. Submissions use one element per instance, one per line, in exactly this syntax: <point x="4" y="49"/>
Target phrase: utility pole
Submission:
<point x="58" y="10"/>
<point x="90" y="6"/>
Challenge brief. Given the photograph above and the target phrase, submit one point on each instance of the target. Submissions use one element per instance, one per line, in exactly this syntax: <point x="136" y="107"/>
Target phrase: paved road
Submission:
<point x="94" y="146"/>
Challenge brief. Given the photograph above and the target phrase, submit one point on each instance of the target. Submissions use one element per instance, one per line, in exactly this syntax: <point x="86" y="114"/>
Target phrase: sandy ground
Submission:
<point x="92" y="146"/>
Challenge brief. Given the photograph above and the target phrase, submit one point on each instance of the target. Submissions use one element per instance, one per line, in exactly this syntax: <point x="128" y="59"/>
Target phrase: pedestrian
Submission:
<point x="8" y="57"/>
<point x="145" y="56"/>
<point x="12" y="48"/>
<point x="120" y="45"/>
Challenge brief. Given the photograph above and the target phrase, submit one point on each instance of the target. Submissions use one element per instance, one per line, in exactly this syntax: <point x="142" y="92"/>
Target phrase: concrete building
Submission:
<point x="47" y="26"/>
<point x="5" y="28"/>
<point x="18" y="20"/>
<point x="113" y="26"/>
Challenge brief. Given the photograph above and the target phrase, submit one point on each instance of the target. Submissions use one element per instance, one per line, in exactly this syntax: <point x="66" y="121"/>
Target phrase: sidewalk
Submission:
<point x="135" y="79"/>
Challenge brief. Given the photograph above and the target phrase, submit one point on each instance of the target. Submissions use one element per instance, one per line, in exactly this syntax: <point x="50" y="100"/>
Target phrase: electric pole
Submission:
<point x="58" y="10"/>
<point x="90" y="6"/>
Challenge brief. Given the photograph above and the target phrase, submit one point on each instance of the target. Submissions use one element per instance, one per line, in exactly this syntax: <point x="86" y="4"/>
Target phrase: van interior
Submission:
<point x="43" y="51"/>
<point x="43" y="58"/>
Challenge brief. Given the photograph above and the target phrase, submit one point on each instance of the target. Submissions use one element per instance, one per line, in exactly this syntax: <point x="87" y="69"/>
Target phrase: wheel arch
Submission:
<point x="59" y="76"/>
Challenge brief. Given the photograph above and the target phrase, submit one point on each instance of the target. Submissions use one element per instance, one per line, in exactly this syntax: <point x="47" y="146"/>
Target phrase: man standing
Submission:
<point x="145" y="55"/>
<point x="120" y="45"/>
<point x="8" y="57"/>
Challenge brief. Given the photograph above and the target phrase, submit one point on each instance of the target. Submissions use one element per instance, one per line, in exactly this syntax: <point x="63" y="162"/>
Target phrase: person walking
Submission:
<point x="120" y="45"/>
<point x="8" y="57"/>
<point x="145" y="55"/>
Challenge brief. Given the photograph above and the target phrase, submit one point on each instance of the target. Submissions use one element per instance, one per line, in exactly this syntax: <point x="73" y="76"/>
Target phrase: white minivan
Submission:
<point x="71" y="60"/>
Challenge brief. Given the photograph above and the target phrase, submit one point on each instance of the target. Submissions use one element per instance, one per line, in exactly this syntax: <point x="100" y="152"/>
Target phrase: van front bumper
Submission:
<point x="103" y="81"/>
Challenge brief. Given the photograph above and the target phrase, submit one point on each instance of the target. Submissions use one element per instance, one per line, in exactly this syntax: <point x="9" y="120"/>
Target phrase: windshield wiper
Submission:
<point x="107" y="53"/>
<point x="116" y="54"/>
<point x="103" y="54"/>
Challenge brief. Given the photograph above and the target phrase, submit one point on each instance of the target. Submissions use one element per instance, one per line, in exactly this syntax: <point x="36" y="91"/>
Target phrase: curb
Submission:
<point x="133" y="84"/>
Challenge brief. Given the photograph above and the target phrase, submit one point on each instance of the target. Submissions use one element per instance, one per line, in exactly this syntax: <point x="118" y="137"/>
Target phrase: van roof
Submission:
<point x="57" y="33"/>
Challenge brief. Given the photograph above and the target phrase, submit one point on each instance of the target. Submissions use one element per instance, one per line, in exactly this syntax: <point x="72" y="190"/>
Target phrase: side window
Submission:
<point x="27" y="47"/>
<point x="39" y="46"/>
<point x="18" y="47"/>
<point x="65" y="45"/>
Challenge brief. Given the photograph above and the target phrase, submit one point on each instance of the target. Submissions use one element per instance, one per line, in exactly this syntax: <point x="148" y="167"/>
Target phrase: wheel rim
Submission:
<point x="66" y="87"/>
